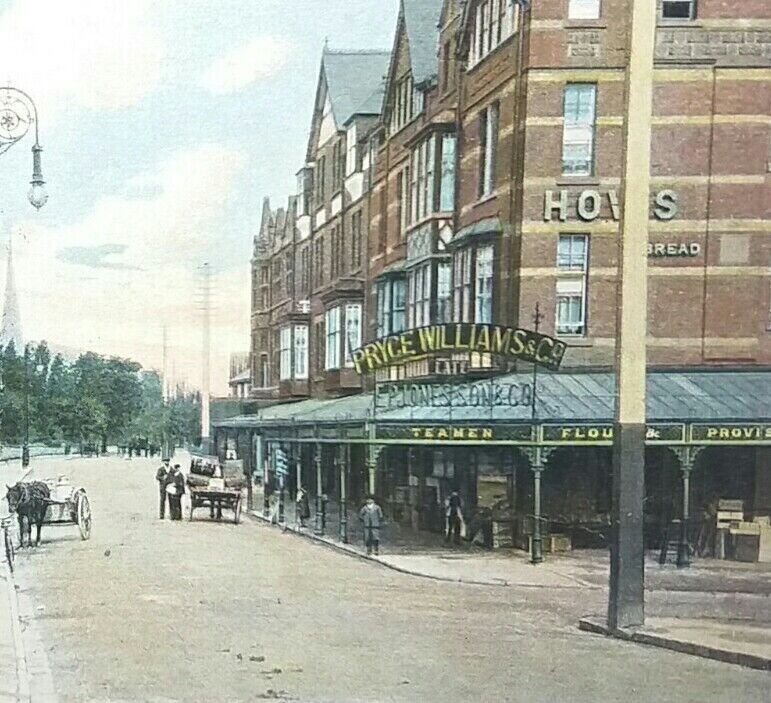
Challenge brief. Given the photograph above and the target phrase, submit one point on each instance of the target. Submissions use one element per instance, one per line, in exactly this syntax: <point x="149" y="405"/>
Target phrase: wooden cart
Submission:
<point x="216" y="486"/>
<point x="68" y="505"/>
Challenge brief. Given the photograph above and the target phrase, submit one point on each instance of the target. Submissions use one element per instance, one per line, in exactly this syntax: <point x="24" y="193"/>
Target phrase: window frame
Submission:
<point x="693" y="10"/>
<point x="300" y="351"/>
<point x="573" y="273"/>
<point x="577" y="11"/>
<point x="332" y="334"/>
<point x="387" y="312"/>
<point x="348" y="345"/>
<point x="576" y="125"/>
<point x="489" y="123"/>
<point x="484" y="288"/>
<point x="285" y="354"/>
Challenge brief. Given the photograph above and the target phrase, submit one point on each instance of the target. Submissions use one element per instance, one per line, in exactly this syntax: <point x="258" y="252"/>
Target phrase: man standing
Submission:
<point x="175" y="487"/>
<point x="454" y="517"/>
<point x="371" y="516"/>
<point x="160" y="476"/>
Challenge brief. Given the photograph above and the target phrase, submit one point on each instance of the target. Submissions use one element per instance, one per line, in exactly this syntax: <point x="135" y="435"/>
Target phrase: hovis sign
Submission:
<point x="459" y="337"/>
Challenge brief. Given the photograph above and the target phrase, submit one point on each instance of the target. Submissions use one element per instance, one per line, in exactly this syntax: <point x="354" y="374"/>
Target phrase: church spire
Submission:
<point x="10" y="330"/>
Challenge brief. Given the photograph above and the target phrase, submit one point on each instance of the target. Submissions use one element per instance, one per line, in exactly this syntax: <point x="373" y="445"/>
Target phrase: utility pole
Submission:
<point x="205" y="358"/>
<point x="627" y="555"/>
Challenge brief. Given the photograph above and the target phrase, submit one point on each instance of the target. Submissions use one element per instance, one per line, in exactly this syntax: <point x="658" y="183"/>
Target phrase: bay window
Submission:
<point x="352" y="331"/>
<point x="432" y="160"/>
<point x="483" y="305"/>
<point x="419" y="296"/>
<point x="579" y="111"/>
<point x="285" y="354"/>
<point x="390" y="308"/>
<point x="462" y="285"/>
<point x="444" y="291"/>
<point x="447" y="185"/>
<point x="332" y="326"/>
<point x="301" y="352"/>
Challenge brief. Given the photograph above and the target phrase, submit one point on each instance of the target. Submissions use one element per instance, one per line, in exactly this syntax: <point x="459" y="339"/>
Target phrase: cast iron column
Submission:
<point x="319" y="525"/>
<point x="281" y="482"/>
<point x="266" y="482"/>
<point x="627" y="572"/>
<point x="683" y="548"/>
<point x="537" y="546"/>
<point x="343" y="495"/>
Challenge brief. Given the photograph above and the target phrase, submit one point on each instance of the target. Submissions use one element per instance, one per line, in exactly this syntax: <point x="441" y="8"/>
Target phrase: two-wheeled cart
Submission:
<point x="216" y="486"/>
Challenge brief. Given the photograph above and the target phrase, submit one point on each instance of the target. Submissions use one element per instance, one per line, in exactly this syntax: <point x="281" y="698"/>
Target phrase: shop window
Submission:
<point x="285" y="354"/>
<point x="301" y="352"/>
<point x="678" y="9"/>
<point x="352" y="331"/>
<point x="488" y="145"/>
<point x="332" y="326"/>
<point x="584" y="9"/>
<point x="390" y="308"/>
<point x="578" y="129"/>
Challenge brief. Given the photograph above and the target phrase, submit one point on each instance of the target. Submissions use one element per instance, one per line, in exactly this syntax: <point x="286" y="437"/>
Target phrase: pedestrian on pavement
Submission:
<point x="371" y="516"/>
<point x="160" y="476"/>
<point x="175" y="488"/>
<point x="302" y="506"/>
<point x="454" y="512"/>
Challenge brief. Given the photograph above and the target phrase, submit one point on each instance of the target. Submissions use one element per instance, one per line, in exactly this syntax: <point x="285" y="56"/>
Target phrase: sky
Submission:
<point x="164" y="123"/>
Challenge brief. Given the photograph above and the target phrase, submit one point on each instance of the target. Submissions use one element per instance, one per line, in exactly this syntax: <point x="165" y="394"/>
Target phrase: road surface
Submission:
<point x="151" y="610"/>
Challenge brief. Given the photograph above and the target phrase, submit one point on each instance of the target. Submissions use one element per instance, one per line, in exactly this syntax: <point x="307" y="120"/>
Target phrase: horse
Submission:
<point x="29" y="500"/>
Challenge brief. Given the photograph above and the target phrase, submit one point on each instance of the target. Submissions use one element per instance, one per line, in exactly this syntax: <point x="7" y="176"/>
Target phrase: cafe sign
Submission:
<point x="459" y="337"/>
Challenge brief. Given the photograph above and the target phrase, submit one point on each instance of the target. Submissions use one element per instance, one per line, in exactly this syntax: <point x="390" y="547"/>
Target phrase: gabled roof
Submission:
<point x="421" y="22"/>
<point x="354" y="82"/>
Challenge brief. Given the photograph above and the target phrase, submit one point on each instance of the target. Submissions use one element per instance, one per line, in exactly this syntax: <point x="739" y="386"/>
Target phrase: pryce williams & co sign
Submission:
<point x="459" y="337"/>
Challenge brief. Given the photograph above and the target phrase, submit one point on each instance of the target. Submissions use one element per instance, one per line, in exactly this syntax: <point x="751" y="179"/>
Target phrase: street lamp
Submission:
<point x="17" y="114"/>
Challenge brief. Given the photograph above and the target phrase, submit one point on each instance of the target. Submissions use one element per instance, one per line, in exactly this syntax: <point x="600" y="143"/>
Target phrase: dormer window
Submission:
<point x="493" y="23"/>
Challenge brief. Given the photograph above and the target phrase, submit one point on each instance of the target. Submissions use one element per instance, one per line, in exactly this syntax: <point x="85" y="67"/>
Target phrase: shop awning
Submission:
<point x="673" y="396"/>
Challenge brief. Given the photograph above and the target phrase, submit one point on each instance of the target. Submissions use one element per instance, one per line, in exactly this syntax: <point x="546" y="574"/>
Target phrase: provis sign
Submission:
<point x="587" y="204"/>
<point x="458" y="337"/>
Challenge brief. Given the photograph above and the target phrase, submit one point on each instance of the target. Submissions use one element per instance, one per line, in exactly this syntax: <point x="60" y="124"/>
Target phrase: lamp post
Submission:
<point x="18" y="113"/>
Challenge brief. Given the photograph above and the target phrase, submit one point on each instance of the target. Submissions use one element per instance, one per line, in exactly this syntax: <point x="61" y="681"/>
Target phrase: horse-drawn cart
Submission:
<point x="68" y="505"/>
<point x="216" y="486"/>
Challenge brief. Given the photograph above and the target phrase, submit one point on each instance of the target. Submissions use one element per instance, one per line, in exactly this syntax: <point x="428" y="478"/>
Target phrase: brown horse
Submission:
<point x="30" y="501"/>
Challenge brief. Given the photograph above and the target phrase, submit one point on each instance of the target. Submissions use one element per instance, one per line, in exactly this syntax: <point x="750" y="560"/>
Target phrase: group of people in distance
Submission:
<point x="171" y="486"/>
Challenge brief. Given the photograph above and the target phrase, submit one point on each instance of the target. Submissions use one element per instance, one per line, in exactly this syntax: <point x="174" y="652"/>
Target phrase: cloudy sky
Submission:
<point x="164" y="124"/>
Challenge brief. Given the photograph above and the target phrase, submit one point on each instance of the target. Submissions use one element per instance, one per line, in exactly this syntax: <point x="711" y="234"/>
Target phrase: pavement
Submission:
<point x="732" y="624"/>
<point x="157" y="611"/>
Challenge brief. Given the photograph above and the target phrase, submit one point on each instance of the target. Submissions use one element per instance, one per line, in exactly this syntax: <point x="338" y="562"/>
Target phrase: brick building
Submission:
<point x="474" y="175"/>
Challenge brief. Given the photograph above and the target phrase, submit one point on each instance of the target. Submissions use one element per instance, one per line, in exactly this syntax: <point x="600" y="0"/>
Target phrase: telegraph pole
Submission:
<point x="627" y="556"/>
<point x="205" y="358"/>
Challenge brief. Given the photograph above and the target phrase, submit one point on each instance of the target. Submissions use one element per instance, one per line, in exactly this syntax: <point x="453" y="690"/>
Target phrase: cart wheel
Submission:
<point x="237" y="511"/>
<point x="84" y="516"/>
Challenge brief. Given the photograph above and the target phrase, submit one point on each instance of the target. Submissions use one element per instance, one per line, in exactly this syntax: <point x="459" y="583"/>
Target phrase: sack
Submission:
<point x="171" y="489"/>
<point x="462" y="528"/>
